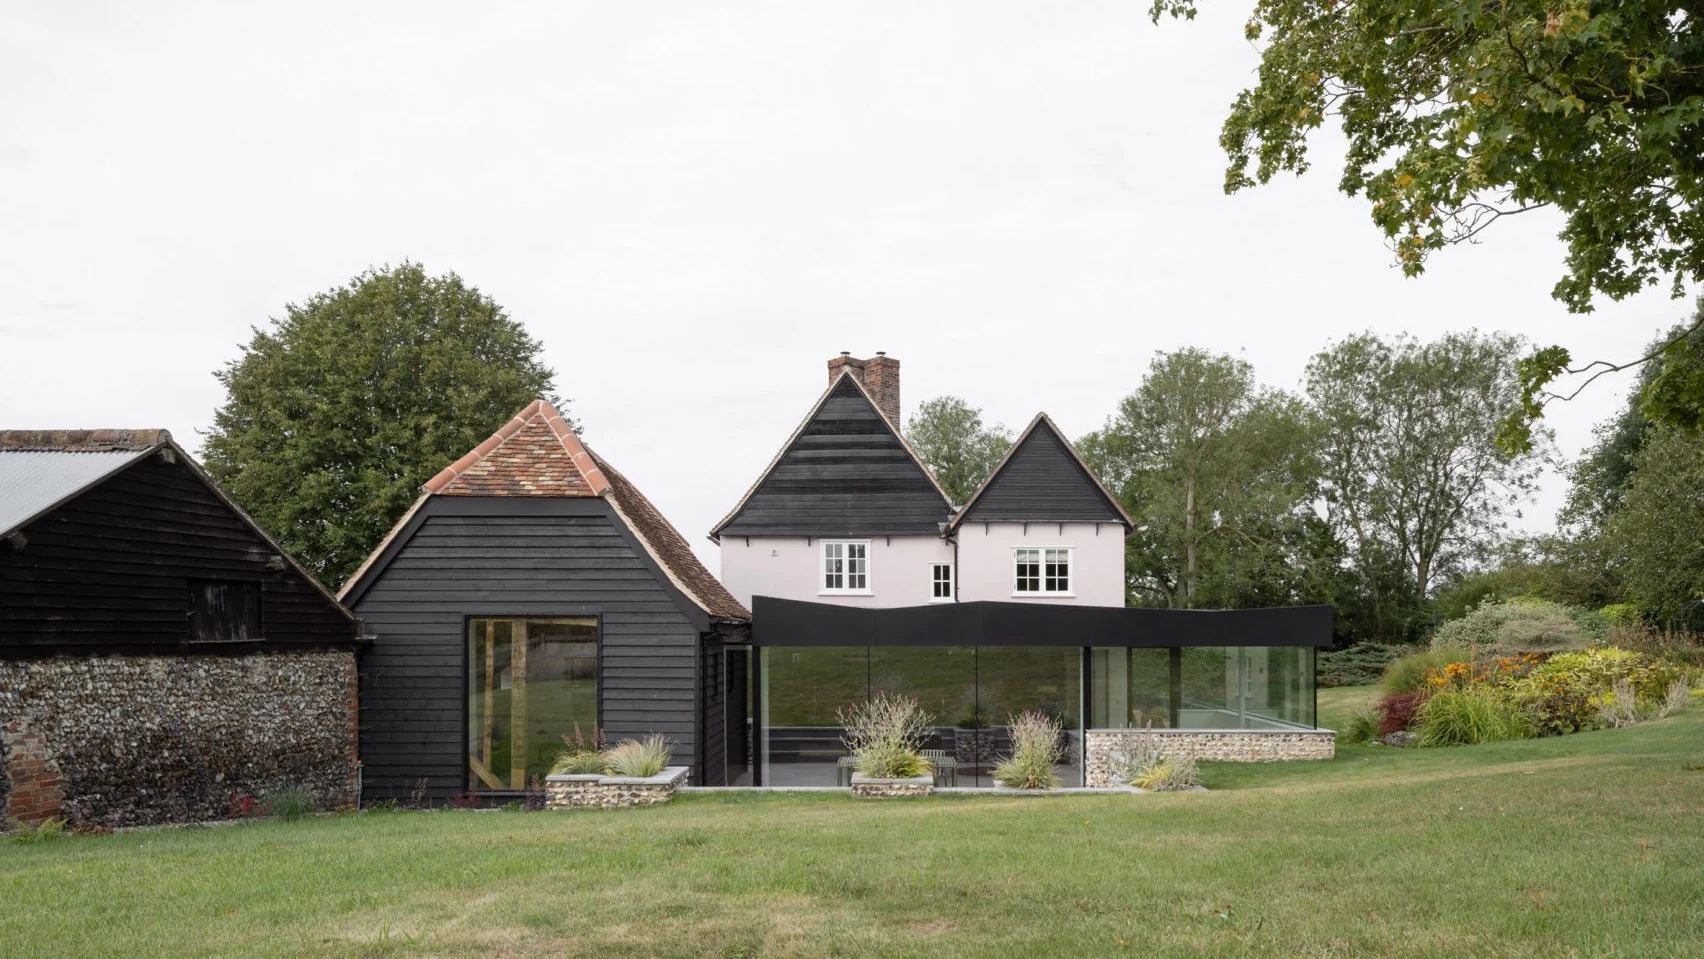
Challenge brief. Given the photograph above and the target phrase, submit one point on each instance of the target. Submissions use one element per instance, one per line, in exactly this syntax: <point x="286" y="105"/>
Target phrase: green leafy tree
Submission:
<point x="1410" y="471"/>
<point x="949" y="436"/>
<point x="337" y="413"/>
<point x="1658" y="530"/>
<point x="1601" y="475"/>
<point x="1460" y="114"/>
<point x="1216" y="471"/>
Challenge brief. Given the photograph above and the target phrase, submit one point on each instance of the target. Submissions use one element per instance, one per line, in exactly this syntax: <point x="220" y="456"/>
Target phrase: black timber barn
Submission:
<point x="161" y="658"/>
<point x="532" y="592"/>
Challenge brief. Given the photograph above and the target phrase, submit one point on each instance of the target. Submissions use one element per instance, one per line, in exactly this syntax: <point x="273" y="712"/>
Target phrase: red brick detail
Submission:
<point x="534" y="454"/>
<point x="36" y="795"/>
<point x="879" y="375"/>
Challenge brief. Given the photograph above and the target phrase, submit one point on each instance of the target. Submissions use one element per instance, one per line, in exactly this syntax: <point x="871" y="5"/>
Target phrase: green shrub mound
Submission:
<point x="1522" y="626"/>
<point x="1408" y="673"/>
<point x="1450" y="697"/>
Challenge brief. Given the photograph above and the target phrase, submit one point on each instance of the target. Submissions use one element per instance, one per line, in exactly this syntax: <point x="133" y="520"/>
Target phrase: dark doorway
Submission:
<point x="737" y="695"/>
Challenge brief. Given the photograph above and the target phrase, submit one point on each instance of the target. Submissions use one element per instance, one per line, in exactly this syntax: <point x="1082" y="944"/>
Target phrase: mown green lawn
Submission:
<point x="1586" y="845"/>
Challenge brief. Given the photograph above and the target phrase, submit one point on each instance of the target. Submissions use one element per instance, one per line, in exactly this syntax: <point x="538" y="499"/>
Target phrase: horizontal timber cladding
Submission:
<point x="846" y="473"/>
<point x="1041" y="480"/>
<point x="465" y="557"/>
<point x="110" y="570"/>
<point x="790" y="622"/>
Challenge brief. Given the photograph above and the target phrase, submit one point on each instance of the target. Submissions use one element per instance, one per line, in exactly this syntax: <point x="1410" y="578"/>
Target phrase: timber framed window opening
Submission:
<point x="846" y="567"/>
<point x="940" y="582"/>
<point x="1041" y="571"/>
<point x="530" y="682"/>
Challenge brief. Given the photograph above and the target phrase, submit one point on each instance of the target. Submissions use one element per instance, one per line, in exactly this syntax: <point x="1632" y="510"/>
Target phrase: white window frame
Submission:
<point x="846" y="573"/>
<point x="934" y="569"/>
<point x="1070" y="589"/>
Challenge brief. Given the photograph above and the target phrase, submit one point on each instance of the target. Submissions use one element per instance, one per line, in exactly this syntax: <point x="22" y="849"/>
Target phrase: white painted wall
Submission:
<point x="789" y="567"/>
<point x="986" y="563"/>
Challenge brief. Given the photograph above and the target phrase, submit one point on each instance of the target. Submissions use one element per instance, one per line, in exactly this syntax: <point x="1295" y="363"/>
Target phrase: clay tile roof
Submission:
<point x="534" y="454"/>
<point x="82" y="441"/>
<point x="669" y="548"/>
<point x="537" y="454"/>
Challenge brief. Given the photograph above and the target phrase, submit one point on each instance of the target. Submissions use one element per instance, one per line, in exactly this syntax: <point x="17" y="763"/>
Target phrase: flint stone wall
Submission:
<point x="1106" y="749"/>
<point x="137" y="740"/>
<point x="612" y="792"/>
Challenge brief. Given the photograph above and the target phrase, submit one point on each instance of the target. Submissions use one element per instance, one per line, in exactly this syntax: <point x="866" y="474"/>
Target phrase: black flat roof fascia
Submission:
<point x="791" y="622"/>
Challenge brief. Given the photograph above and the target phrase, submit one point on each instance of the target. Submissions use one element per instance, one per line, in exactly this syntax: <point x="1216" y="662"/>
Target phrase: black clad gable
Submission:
<point x="844" y="473"/>
<point x="1042" y="480"/>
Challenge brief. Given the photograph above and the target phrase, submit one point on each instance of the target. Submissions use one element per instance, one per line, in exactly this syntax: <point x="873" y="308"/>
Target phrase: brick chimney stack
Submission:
<point x="880" y="376"/>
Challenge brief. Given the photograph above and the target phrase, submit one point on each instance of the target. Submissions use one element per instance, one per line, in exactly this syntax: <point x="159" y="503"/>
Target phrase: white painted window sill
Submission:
<point x="1044" y="595"/>
<point x="845" y="592"/>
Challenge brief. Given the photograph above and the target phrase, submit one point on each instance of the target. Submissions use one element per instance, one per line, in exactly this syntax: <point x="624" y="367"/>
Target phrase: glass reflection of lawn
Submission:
<point x="956" y="685"/>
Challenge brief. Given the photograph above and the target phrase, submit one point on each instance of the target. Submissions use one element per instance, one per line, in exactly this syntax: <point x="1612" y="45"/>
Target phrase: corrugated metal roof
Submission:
<point x="32" y="481"/>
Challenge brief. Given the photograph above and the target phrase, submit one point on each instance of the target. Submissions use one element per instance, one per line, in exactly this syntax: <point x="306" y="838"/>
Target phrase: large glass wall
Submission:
<point x="530" y="681"/>
<point x="1013" y="679"/>
<point x="1218" y="687"/>
<point x="802" y="690"/>
<point x="1130" y="688"/>
<point x="969" y="692"/>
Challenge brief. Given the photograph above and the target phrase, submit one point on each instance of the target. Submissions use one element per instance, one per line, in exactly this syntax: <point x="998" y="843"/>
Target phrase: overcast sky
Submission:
<point x="693" y="206"/>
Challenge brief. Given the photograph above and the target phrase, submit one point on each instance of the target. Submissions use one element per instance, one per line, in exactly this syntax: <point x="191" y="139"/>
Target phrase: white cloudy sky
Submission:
<point x="694" y="205"/>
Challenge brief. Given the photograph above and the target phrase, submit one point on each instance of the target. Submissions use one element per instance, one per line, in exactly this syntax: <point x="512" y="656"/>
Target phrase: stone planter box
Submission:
<point x="870" y="786"/>
<point x="612" y="792"/>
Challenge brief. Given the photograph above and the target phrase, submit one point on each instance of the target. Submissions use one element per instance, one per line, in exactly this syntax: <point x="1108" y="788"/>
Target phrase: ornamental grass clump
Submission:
<point x="885" y="737"/>
<point x="1464" y="716"/>
<point x="1148" y="766"/>
<point x="1035" y="751"/>
<point x="291" y="804"/>
<point x="637" y="757"/>
<point x="581" y="755"/>
<point x="1170" y="774"/>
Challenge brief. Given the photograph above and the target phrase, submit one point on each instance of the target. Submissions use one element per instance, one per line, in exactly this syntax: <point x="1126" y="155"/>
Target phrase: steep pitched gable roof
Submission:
<point x="41" y="470"/>
<point x="845" y="471"/>
<point x="1042" y="479"/>
<point x="536" y="453"/>
<point x="668" y="547"/>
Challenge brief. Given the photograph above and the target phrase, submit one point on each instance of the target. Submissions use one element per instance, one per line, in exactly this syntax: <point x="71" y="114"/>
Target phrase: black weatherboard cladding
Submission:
<point x="1042" y="481"/>
<point x="112" y="570"/>
<point x="845" y="474"/>
<point x="468" y="557"/>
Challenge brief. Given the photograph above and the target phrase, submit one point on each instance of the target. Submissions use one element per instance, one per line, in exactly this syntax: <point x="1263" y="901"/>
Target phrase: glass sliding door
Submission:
<point x="530" y="682"/>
